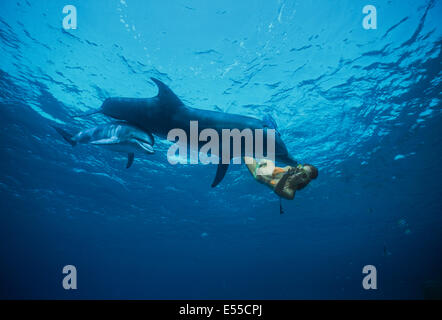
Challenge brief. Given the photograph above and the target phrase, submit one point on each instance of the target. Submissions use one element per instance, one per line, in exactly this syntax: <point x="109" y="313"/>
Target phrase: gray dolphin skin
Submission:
<point x="166" y="111"/>
<point x="118" y="137"/>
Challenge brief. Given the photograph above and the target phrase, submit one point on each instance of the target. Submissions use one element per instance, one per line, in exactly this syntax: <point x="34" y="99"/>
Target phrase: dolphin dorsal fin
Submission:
<point x="166" y="95"/>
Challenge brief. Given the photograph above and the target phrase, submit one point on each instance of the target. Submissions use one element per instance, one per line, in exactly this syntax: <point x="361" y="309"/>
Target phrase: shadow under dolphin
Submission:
<point x="165" y="111"/>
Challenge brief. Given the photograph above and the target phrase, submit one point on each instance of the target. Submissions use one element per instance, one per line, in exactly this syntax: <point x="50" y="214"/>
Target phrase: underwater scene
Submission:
<point x="89" y="91"/>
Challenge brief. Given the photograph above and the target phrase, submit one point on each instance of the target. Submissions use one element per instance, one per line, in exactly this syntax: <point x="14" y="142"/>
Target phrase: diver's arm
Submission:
<point x="281" y="189"/>
<point x="251" y="164"/>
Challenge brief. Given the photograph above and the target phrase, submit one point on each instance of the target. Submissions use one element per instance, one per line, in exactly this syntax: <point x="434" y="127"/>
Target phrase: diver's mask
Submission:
<point x="297" y="169"/>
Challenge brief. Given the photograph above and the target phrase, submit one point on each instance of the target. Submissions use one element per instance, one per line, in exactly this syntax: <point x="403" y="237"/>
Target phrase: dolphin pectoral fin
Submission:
<point x="220" y="173"/>
<point x="166" y="96"/>
<point x="66" y="136"/>
<point x="130" y="159"/>
<point x="151" y="137"/>
<point x="145" y="146"/>
<point x="113" y="140"/>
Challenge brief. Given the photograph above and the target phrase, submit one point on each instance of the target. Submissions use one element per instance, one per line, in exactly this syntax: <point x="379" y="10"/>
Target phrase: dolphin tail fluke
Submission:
<point x="220" y="173"/>
<point x="130" y="159"/>
<point x="66" y="135"/>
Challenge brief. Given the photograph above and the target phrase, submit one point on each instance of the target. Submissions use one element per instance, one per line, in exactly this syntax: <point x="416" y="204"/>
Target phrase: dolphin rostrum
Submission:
<point x="166" y="111"/>
<point x="119" y="137"/>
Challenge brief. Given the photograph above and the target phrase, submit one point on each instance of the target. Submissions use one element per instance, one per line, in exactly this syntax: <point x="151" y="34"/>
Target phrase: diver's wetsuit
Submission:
<point x="283" y="181"/>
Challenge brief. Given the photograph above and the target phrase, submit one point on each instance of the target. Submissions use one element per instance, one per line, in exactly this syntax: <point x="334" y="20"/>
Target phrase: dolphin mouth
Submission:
<point x="145" y="145"/>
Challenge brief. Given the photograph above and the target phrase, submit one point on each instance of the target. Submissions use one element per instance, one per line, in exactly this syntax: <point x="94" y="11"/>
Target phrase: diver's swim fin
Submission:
<point x="130" y="159"/>
<point x="66" y="135"/>
<point x="220" y="173"/>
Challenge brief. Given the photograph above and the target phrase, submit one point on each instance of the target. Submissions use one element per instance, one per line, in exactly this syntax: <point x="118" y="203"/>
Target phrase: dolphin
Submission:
<point x="118" y="137"/>
<point x="165" y="111"/>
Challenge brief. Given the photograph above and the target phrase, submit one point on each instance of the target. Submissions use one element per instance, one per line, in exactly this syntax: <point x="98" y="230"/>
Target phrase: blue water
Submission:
<point x="364" y="106"/>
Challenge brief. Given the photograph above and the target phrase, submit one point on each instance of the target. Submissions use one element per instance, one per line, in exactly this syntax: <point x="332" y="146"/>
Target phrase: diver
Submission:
<point x="283" y="181"/>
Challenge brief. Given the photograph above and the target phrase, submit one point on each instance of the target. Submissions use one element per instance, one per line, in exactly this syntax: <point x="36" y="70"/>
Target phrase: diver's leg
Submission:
<point x="251" y="165"/>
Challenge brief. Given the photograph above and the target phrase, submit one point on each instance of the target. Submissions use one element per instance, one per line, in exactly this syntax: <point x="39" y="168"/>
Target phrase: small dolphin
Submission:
<point x="119" y="137"/>
<point x="166" y="111"/>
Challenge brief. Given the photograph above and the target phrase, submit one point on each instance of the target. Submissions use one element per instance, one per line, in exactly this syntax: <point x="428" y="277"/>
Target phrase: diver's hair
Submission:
<point x="313" y="172"/>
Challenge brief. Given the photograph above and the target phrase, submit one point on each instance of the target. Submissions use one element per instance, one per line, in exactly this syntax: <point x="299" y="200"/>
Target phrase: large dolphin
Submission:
<point x="119" y="137"/>
<point x="166" y="111"/>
